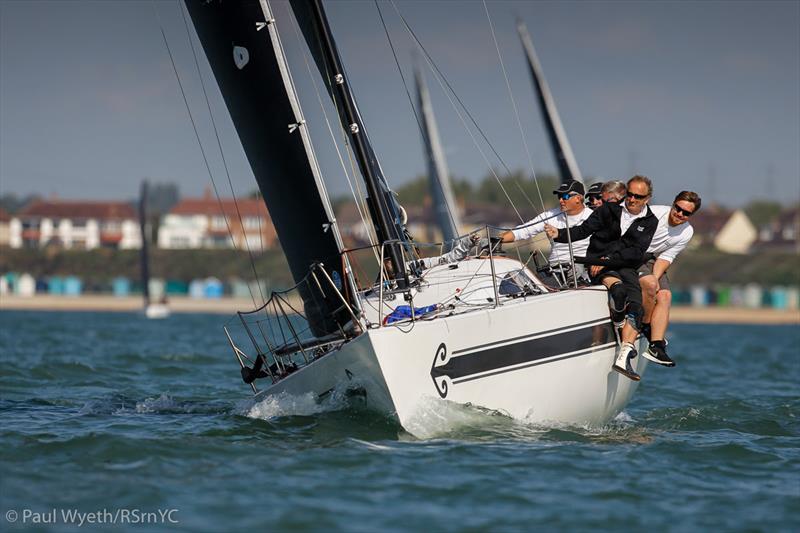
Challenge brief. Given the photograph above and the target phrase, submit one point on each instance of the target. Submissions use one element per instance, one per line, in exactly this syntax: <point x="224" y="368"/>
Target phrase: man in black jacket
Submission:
<point x="620" y="235"/>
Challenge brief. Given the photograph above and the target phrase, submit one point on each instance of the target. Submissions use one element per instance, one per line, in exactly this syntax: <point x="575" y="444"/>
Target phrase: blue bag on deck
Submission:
<point x="402" y="312"/>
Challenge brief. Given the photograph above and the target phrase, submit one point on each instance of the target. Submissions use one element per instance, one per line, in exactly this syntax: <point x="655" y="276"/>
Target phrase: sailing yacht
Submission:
<point x="483" y="331"/>
<point x="152" y="310"/>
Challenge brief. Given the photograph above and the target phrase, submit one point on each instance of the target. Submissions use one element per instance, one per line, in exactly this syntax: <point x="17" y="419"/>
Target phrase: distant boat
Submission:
<point x="441" y="189"/>
<point x="562" y="151"/>
<point x="158" y="309"/>
<point x="484" y="331"/>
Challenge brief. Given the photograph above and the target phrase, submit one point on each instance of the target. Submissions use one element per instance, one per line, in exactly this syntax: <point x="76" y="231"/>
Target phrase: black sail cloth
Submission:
<point x="241" y="54"/>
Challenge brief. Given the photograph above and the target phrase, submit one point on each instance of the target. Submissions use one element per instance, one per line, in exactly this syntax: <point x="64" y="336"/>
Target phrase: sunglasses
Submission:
<point x="682" y="211"/>
<point x="567" y="195"/>
<point x="637" y="196"/>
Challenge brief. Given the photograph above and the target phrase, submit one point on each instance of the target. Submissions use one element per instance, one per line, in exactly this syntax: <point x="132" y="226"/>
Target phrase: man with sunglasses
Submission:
<point x="620" y="236"/>
<point x="594" y="198"/>
<point x="571" y="210"/>
<point x="671" y="237"/>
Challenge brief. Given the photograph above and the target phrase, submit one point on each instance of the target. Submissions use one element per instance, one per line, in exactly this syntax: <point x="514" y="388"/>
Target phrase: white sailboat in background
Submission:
<point x="151" y="309"/>
<point x="483" y="331"/>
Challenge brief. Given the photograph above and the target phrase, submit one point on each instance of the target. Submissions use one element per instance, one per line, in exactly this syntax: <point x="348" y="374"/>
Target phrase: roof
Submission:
<point x="710" y="221"/>
<point x="209" y="206"/>
<point x="78" y="210"/>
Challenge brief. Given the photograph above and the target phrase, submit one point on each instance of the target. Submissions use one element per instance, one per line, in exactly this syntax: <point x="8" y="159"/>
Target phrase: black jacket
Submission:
<point x="607" y="241"/>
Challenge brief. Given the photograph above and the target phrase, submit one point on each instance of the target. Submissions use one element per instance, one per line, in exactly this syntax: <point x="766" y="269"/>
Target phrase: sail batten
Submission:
<point x="562" y="151"/>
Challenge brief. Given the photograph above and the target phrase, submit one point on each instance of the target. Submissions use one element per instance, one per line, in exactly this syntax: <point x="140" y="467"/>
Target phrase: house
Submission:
<point x="75" y="225"/>
<point x="728" y="231"/>
<point x="782" y="233"/>
<point x="243" y="223"/>
<point x="5" y="230"/>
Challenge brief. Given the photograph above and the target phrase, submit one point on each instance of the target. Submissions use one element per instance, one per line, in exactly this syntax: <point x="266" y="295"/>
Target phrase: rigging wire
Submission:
<point x="443" y="79"/>
<point x="222" y="154"/>
<point x="410" y="100"/>
<point x="514" y="105"/>
<point x="197" y="134"/>
<point x="358" y="198"/>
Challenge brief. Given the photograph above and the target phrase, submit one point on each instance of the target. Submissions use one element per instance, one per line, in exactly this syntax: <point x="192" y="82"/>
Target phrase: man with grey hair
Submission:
<point x="613" y="191"/>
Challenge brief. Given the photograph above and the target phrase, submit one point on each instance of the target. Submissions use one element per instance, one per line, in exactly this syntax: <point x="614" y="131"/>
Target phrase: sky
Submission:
<point x="696" y="95"/>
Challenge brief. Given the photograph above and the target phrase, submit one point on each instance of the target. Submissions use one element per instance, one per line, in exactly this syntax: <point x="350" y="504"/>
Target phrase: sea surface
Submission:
<point x="147" y="425"/>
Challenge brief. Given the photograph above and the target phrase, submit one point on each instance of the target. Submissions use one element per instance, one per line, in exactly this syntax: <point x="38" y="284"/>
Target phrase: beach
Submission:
<point x="679" y="314"/>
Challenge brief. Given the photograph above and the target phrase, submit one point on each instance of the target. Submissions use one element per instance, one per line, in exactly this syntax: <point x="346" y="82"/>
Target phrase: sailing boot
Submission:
<point x="657" y="353"/>
<point x="622" y="363"/>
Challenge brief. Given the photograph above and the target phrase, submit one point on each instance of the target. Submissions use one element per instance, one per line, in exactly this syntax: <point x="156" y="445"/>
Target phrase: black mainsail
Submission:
<point x="562" y="151"/>
<point x="246" y="56"/>
<point x="144" y="259"/>
<point x="444" y="206"/>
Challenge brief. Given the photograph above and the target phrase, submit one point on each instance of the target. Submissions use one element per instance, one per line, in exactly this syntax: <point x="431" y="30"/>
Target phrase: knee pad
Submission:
<point x="617" y="297"/>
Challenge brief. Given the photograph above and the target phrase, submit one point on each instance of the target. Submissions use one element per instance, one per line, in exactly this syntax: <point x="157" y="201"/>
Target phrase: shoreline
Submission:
<point x="184" y="304"/>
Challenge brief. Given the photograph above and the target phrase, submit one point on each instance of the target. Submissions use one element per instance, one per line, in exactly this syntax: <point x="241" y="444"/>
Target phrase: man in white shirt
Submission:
<point x="671" y="237"/>
<point x="571" y="211"/>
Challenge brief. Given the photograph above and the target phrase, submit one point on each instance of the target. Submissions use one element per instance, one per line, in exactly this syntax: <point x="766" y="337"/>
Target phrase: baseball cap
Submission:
<point x="570" y="186"/>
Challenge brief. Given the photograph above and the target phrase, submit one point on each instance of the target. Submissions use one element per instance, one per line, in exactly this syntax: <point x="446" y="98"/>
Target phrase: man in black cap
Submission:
<point x="620" y="235"/>
<point x="571" y="211"/>
<point x="594" y="195"/>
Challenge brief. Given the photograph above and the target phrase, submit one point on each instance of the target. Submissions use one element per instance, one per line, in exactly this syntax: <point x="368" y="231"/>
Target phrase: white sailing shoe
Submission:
<point x="622" y="363"/>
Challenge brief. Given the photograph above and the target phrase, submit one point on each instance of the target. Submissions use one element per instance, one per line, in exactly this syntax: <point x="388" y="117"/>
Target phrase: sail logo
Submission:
<point x="240" y="56"/>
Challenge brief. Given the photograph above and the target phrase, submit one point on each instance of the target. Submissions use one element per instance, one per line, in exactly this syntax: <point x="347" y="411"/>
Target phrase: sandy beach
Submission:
<point x="708" y="315"/>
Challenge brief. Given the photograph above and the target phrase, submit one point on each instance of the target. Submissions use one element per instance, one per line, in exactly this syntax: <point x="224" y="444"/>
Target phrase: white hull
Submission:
<point x="156" y="311"/>
<point x="545" y="359"/>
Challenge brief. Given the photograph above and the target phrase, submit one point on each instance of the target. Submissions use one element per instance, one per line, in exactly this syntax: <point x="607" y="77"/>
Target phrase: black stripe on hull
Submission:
<point x="495" y="358"/>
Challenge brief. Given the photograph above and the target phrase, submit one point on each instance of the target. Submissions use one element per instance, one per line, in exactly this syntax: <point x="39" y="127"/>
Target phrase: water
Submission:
<point x="113" y="412"/>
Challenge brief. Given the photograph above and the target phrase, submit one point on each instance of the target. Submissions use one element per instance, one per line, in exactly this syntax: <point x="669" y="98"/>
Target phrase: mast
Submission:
<point x="383" y="209"/>
<point x="243" y="47"/>
<point x="562" y="151"/>
<point x="438" y="175"/>
<point x="143" y="256"/>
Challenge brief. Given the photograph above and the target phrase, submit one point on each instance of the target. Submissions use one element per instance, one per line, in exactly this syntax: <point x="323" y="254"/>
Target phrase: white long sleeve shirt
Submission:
<point x="668" y="241"/>
<point x="560" y="251"/>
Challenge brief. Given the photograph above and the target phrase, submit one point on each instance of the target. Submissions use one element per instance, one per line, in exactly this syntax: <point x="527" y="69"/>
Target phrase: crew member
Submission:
<point x="671" y="237"/>
<point x="620" y="235"/>
<point x="571" y="211"/>
<point x="594" y="198"/>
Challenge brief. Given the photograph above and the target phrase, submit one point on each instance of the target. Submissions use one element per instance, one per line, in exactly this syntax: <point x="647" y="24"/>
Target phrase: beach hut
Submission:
<point x="177" y="287"/>
<point x="699" y="295"/>
<point x="121" y="287"/>
<point x="793" y="298"/>
<point x="72" y="286"/>
<point x="42" y="286"/>
<point x="3" y="285"/>
<point x="156" y="288"/>
<point x="723" y="296"/>
<point x="26" y="285"/>
<point x="196" y="288"/>
<point x="752" y="295"/>
<point x="212" y="288"/>
<point x="55" y="285"/>
<point x="11" y="281"/>
<point x="737" y="296"/>
<point x="779" y="297"/>
<point x="240" y="289"/>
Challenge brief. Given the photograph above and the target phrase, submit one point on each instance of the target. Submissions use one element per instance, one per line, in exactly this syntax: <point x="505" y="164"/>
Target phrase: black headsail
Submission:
<point x="384" y="211"/>
<point x="244" y="50"/>
<point x="438" y="176"/>
<point x="567" y="166"/>
<point x="143" y="255"/>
